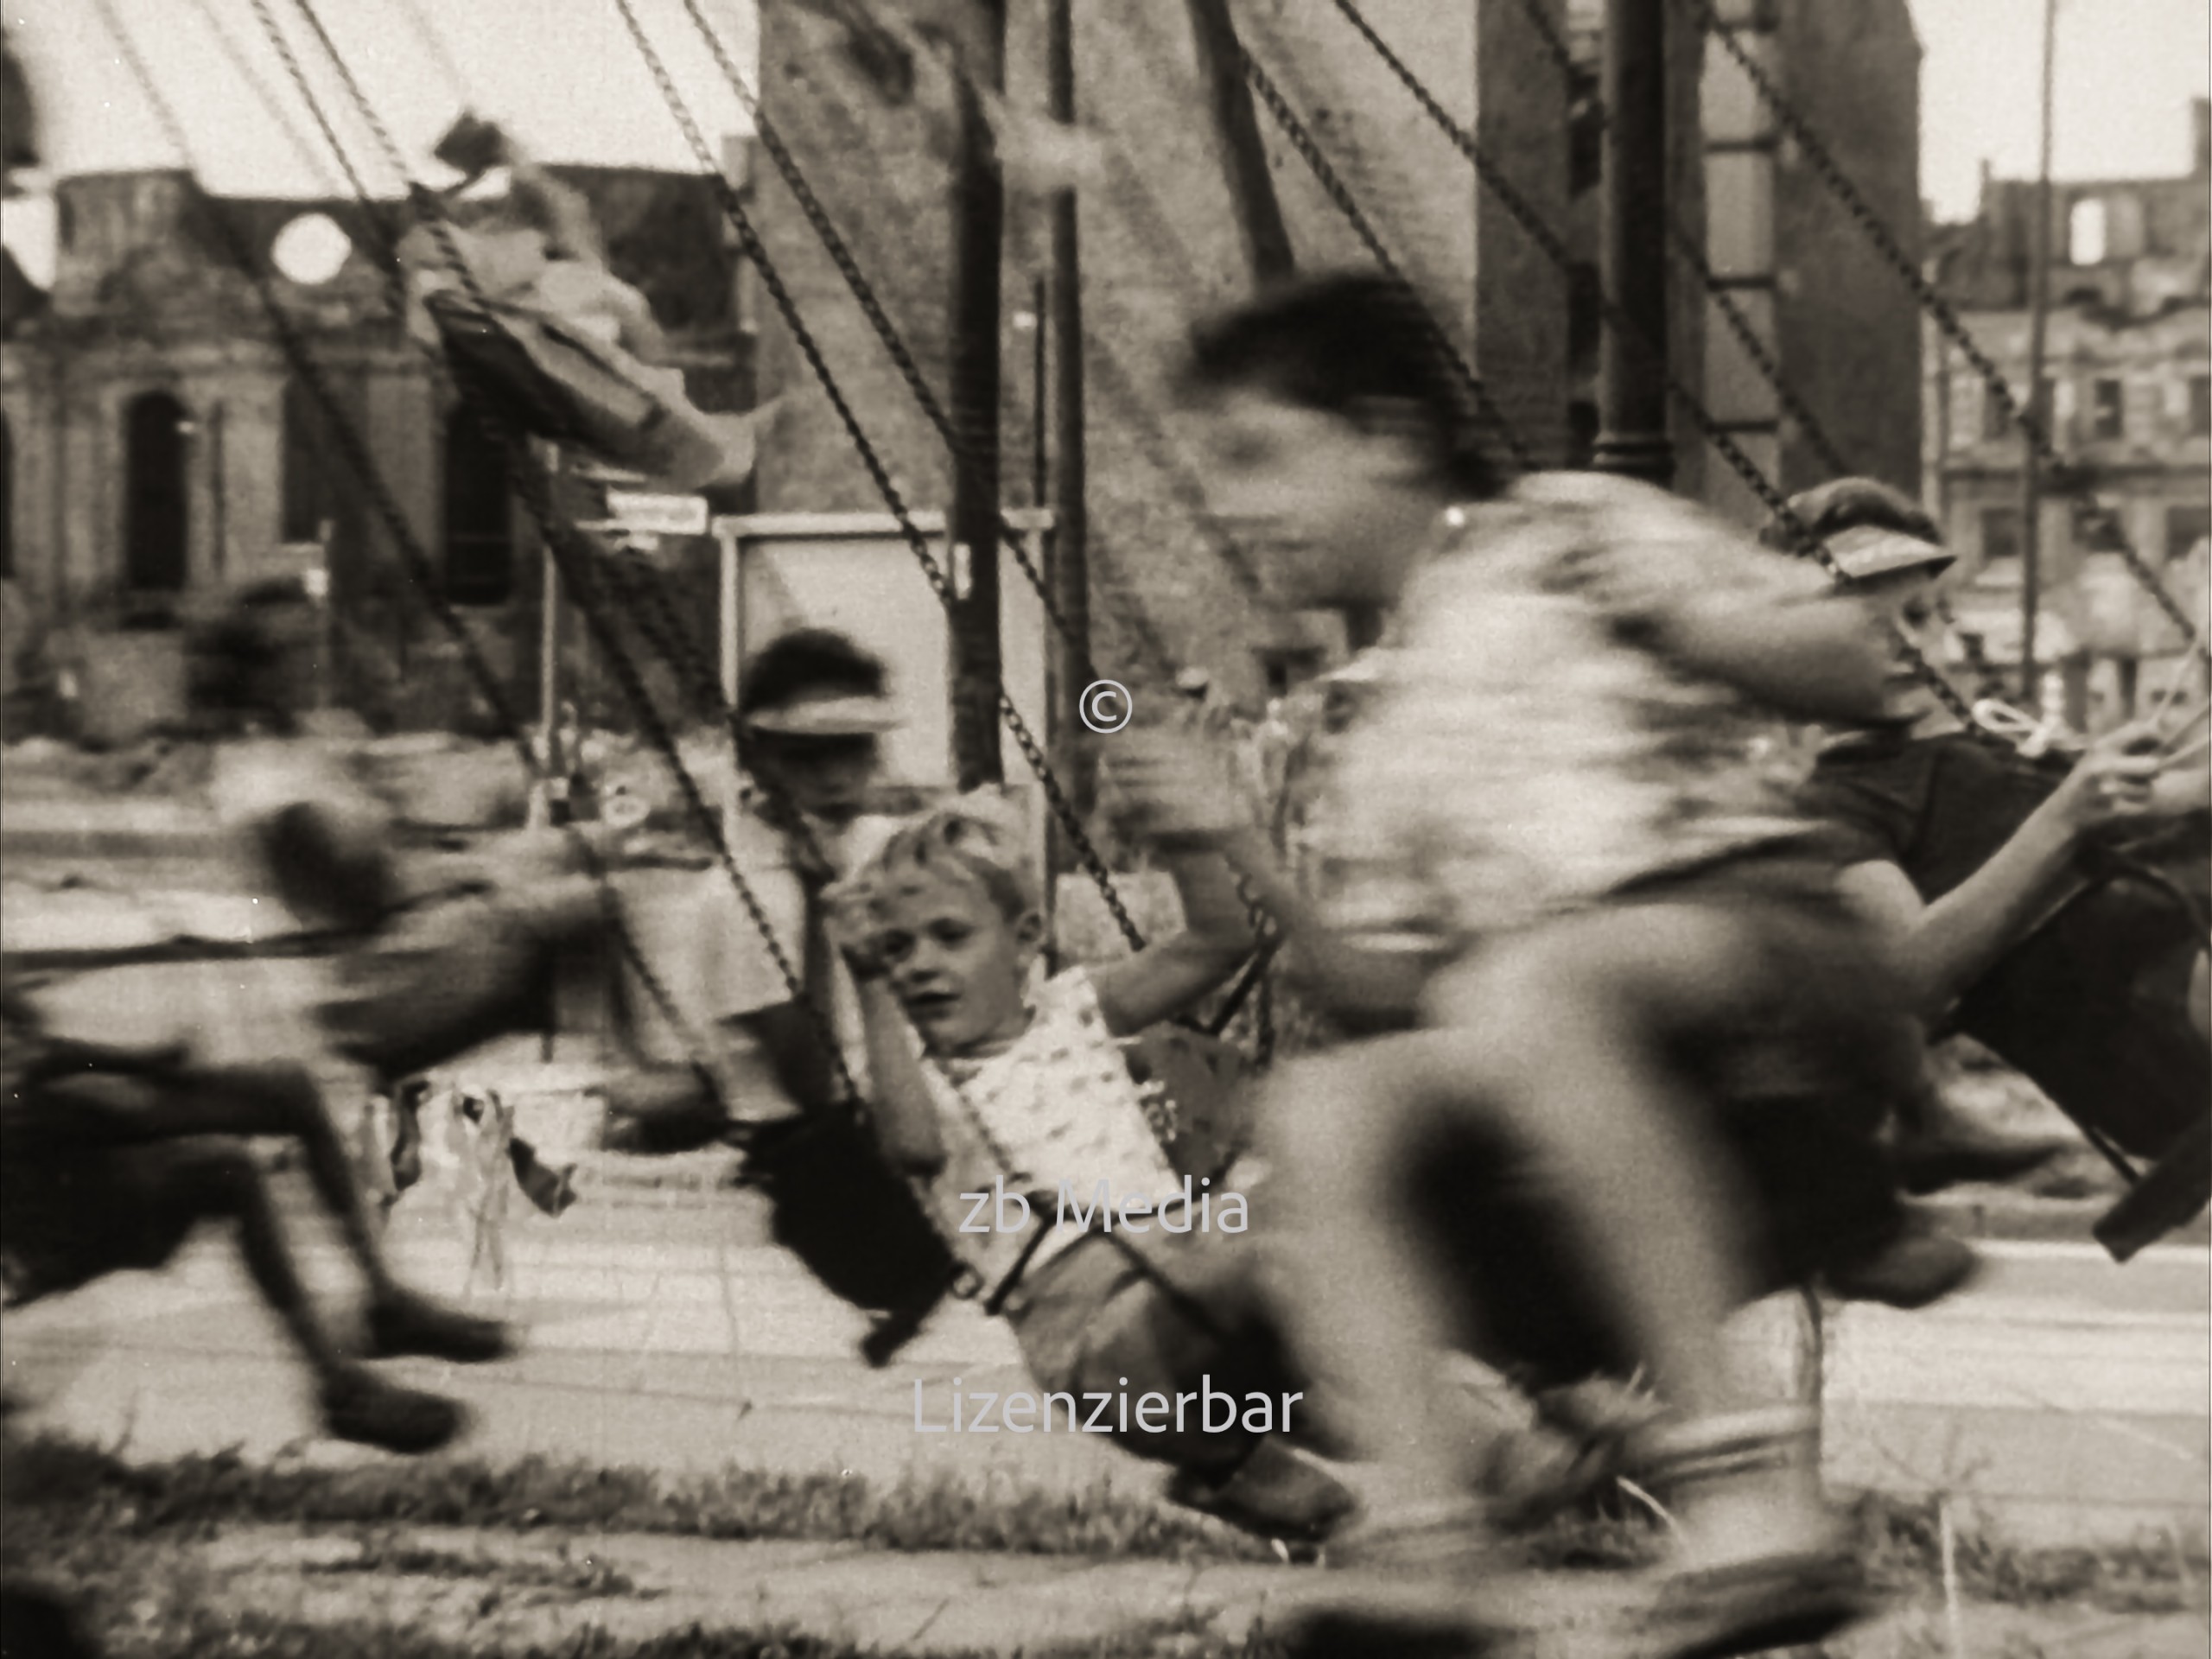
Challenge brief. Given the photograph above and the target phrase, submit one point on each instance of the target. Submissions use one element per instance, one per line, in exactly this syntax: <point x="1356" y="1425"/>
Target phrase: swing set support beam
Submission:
<point x="978" y="240"/>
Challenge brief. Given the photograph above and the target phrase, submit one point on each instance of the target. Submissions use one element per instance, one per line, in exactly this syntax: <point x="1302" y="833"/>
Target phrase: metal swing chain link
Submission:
<point x="1548" y="241"/>
<point x="556" y="531"/>
<point x="756" y="250"/>
<point x="1340" y="193"/>
<point x="887" y="332"/>
<point x="834" y="244"/>
<point x="1686" y="248"/>
<point x="1863" y="212"/>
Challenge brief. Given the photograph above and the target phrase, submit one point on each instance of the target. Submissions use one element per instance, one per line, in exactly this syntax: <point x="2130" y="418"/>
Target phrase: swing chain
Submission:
<point x="535" y="492"/>
<point x="840" y="254"/>
<point x="1947" y="319"/>
<point x="1770" y="496"/>
<point x="1339" y="193"/>
<point x="1686" y="248"/>
<point x="756" y="250"/>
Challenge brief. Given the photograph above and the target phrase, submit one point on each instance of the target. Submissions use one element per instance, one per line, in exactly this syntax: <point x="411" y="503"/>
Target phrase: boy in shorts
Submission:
<point x="110" y="1158"/>
<point x="1635" y="996"/>
<point x="2052" y="908"/>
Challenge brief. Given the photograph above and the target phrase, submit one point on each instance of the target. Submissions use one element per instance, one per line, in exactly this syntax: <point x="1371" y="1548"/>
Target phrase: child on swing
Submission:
<point x="1635" y="993"/>
<point x="520" y="290"/>
<point x="110" y="1158"/>
<point x="2052" y="908"/>
<point x="987" y="1080"/>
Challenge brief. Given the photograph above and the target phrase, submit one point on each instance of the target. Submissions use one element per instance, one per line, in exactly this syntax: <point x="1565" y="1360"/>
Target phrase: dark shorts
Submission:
<point x="82" y="1193"/>
<point x="457" y="971"/>
<point x="1797" y="1081"/>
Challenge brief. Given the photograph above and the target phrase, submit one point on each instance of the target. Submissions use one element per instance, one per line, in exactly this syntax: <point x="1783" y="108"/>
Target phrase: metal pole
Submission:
<point x="548" y="678"/>
<point x="728" y="642"/>
<point x="1632" y="370"/>
<point x="1243" y="154"/>
<point x="2038" y="321"/>
<point x="1071" y="570"/>
<point x="1040" y="465"/>
<point x="978" y="236"/>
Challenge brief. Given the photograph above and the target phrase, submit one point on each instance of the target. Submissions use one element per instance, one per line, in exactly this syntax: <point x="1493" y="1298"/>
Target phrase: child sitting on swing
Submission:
<point x="989" y="1082"/>
<point x="520" y="290"/>
<point x="111" y="1158"/>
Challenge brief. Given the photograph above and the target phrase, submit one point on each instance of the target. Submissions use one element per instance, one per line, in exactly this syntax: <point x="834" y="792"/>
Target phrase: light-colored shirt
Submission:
<point x="1058" y="1105"/>
<point x="707" y="950"/>
<point x="1528" y="749"/>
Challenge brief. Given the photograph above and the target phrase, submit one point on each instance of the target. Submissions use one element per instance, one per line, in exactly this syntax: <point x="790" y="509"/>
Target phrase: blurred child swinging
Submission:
<point x="567" y="350"/>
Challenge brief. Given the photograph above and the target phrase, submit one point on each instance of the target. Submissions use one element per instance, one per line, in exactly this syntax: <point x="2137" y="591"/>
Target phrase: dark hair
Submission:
<point x="1341" y="343"/>
<point x="1843" y="504"/>
<point x="806" y="660"/>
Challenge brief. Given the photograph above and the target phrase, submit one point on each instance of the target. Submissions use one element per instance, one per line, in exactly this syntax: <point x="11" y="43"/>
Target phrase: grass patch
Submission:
<point x="207" y="1634"/>
<point x="52" y="1482"/>
<point x="1902" y="1543"/>
<point x="1903" y="1539"/>
<point x="385" y="1557"/>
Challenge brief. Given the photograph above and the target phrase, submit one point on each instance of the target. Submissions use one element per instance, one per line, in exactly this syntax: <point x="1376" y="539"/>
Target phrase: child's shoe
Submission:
<point x="359" y="1406"/>
<point x="1764" y="1562"/>
<point x="406" y="1322"/>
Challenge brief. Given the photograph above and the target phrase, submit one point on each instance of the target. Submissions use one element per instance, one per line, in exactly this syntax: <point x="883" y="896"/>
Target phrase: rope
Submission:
<point x="1548" y="242"/>
<point x="1686" y="248"/>
<point x="1340" y="193"/>
<point x="1863" y="213"/>
<point x="301" y="363"/>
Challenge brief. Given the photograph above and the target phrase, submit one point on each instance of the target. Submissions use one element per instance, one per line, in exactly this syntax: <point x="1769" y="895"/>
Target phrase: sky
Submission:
<point x="566" y="76"/>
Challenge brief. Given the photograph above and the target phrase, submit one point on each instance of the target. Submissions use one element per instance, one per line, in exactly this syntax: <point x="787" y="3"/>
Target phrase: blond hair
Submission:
<point x="980" y="837"/>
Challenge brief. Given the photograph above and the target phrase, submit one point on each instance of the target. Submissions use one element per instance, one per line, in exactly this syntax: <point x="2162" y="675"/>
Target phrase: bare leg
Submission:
<point x="283" y="1100"/>
<point x="1556" y="1042"/>
<point x="215" y="1177"/>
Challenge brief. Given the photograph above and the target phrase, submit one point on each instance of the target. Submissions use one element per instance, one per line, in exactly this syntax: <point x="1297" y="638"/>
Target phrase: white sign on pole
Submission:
<point x="658" y="515"/>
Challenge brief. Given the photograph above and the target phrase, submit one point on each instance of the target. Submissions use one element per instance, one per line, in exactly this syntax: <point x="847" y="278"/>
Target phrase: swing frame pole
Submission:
<point x="978" y="242"/>
<point x="1068" y="564"/>
<point x="1632" y="369"/>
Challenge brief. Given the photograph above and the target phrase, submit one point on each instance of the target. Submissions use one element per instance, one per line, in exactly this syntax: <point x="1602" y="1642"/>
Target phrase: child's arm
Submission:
<point x="1174" y="791"/>
<point x="1168" y="977"/>
<point x="1814" y="657"/>
<point x="902" y="1108"/>
<point x="1704" y="594"/>
<point x="1366" y="990"/>
<point x="1943" y="948"/>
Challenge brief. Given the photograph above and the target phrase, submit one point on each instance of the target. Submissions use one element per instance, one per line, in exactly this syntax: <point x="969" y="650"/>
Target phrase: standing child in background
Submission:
<point x="812" y="712"/>
<point x="988" y="1082"/>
